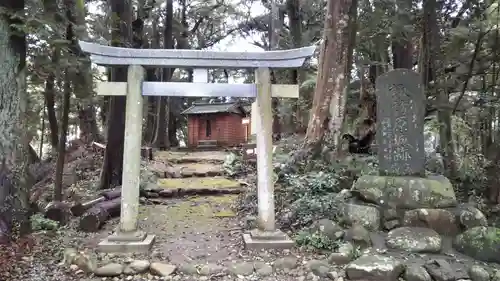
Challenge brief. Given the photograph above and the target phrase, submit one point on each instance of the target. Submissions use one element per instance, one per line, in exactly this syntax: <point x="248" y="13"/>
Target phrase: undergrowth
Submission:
<point x="309" y="190"/>
<point x="312" y="192"/>
<point x="304" y="198"/>
<point x="315" y="241"/>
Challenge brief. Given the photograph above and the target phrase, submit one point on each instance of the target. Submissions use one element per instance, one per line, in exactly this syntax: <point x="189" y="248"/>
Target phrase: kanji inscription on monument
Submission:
<point x="400" y="130"/>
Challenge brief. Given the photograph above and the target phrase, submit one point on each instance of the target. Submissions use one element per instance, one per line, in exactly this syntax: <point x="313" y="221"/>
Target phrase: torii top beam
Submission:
<point x="107" y="55"/>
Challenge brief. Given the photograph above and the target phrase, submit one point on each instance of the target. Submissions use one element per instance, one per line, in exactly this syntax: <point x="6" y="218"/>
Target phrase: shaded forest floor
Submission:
<point x="199" y="237"/>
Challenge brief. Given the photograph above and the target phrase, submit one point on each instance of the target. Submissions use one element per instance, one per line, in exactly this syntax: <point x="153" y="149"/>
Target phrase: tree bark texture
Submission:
<point x="14" y="181"/>
<point x="432" y="50"/>
<point x="96" y="216"/>
<point x="164" y="116"/>
<point x="112" y="169"/>
<point x="330" y="80"/>
<point x="297" y="76"/>
<point x="402" y="47"/>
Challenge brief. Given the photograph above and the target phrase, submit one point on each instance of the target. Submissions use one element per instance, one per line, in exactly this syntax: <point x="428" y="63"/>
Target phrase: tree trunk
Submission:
<point x="80" y="208"/>
<point x="112" y="169"/>
<point x="14" y="181"/>
<point x="432" y="46"/>
<point x="152" y="112"/>
<point x="163" y="120"/>
<point x="297" y="122"/>
<point x="61" y="151"/>
<point x="274" y="35"/>
<point x="330" y="81"/>
<point x="50" y="102"/>
<point x="42" y="135"/>
<point x="96" y="216"/>
<point x="402" y="47"/>
<point x="89" y="131"/>
<point x="348" y="45"/>
<point x="82" y="82"/>
<point x="51" y="10"/>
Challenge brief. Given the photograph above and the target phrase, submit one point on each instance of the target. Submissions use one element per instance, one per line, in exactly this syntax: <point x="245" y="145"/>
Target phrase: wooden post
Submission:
<point x="264" y="116"/>
<point x="132" y="150"/>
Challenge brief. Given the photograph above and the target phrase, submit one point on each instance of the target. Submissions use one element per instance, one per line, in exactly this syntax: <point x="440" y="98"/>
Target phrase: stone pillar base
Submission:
<point x="133" y="242"/>
<point x="257" y="239"/>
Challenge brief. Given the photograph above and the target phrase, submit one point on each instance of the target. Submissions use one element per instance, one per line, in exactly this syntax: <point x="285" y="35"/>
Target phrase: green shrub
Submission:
<point x="315" y="241"/>
<point x="38" y="223"/>
<point x="303" y="198"/>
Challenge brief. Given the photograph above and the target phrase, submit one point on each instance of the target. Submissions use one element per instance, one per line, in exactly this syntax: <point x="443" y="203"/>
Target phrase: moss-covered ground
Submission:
<point x="199" y="183"/>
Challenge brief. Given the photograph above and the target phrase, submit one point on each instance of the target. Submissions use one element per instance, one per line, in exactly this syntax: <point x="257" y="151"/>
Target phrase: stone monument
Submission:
<point x="402" y="182"/>
<point x="400" y="131"/>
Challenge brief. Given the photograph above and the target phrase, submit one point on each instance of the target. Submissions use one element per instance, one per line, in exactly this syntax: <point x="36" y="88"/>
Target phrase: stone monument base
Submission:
<point x="257" y="239"/>
<point x="406" y="191"/>
<point x="133" y="242"/>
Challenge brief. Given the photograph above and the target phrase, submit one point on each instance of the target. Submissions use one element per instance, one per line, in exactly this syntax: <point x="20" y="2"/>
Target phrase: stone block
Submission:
<point x="267" y="240"/>
<point x="121" y="245"/>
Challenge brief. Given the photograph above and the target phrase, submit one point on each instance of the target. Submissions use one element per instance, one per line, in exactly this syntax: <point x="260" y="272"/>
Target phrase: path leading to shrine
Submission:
<point x="198" y="234"/>
<point x="199" y="227"/>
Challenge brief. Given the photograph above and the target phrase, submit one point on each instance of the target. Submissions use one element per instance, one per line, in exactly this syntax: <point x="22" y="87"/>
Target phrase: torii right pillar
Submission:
<point x="266" y="235"/>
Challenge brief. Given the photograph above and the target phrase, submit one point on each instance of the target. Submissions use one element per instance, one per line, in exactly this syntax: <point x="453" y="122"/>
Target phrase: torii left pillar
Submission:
<point x="128" y="238"/>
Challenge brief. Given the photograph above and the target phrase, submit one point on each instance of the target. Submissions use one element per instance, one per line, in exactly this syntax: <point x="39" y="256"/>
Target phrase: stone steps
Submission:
<point x="193" y="186"/>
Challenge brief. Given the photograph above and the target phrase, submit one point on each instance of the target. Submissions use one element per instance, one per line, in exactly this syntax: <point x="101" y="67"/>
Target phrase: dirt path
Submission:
<point x="197" y="229"/>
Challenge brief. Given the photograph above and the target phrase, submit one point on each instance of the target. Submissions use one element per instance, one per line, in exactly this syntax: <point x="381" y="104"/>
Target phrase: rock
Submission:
<point x="146" y="177"/>
<point x="434" y="163"/>
<point x="390" y="214"/>
<point x="85" y="262"/>
<point x="136" y="267"/>
<point x="344" y="254"/>
<point x="328" y="228"/>
<point x="109" y="270"/>
<point x="243" y="268"/>
<point x="495" y="276"/>
<point x="375" y="267"/>
<point x="162" y="269"/>
<point x="470" y="216"/>
<point x="209" y="269"/>
<point x="356" y="214"/>
<point x="263" y="269"/>
<point x="481" y="243"/>
<point x="391" y="224"/>
<point x="286" y="263"/>
<point x="333" y="275"/>
<point x="441" y="220"/>
<point x="250" y="222"/>
<point x="414" y="239"/>
<point x="188" y="269"/>
<point x="406" y="192"/>
<point x="358" y="235"/>
<point x="319" y="268"/>
<point x="441" y="270"/>
<point x="343" y="195"/>
<point x="478" y="273"/>
<point x="416" y="273"/>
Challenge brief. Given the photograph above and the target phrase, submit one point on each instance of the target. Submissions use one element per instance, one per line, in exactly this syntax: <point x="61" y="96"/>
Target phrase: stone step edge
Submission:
<point x="185" y="192"/>
<point x="180" y="174"/>
<point x="195" y="160"/>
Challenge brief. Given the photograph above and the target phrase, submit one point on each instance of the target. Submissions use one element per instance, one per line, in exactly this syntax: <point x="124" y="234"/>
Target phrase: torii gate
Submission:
<point x="129" y="238"/>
